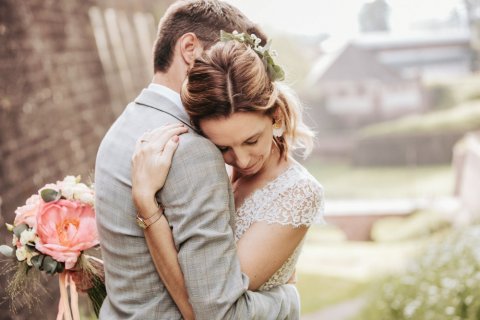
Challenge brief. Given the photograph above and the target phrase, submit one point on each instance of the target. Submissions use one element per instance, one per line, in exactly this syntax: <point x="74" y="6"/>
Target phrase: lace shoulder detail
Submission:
<point x="298" y="204"/>
<point x="294" y="198"/>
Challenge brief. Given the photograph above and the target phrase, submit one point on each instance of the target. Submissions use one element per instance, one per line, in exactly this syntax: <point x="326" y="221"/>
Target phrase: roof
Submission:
<point x="354" y="64"/>
<point x="386" y="41"/>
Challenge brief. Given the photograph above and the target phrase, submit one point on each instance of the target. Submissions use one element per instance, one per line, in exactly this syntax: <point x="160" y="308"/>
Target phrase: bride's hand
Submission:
<point x="151" y="161"/>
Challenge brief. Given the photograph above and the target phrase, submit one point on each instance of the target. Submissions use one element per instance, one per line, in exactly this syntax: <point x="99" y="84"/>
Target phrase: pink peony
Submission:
<point x="28" y="213"/>
<point x="65" y="228"/>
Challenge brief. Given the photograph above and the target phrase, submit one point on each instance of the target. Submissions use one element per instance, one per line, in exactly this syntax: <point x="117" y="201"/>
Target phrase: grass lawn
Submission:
<point x="342" y="180"/>
<point x="318" y="291"/>
<point x="332" y="270"/>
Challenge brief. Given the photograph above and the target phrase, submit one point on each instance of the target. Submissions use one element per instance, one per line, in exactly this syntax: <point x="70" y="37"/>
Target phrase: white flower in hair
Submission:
<point x="275" y="72"/>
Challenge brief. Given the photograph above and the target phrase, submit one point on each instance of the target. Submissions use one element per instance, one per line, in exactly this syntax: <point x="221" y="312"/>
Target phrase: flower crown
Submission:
<point x="274" y="71"/>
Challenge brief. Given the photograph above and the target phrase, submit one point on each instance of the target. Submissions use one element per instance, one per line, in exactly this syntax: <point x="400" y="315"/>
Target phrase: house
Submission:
<point x="433" y="57"/>
<point x="353" y="85"/>
<point x="379" y="76"/>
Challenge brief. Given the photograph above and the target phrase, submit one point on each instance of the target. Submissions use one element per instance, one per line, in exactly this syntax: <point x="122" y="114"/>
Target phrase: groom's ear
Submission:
<point x="190" y="48"/>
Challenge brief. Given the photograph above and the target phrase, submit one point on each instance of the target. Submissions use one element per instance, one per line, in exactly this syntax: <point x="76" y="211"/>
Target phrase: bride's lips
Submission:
<point x="250" y="169"/>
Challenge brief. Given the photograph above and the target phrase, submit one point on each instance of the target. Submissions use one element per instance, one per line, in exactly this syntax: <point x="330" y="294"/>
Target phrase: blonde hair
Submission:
<point x="230" y="78"/>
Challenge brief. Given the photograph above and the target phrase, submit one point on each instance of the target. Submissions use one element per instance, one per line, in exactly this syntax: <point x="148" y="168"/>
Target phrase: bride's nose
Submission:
<point x="242" y="158"/>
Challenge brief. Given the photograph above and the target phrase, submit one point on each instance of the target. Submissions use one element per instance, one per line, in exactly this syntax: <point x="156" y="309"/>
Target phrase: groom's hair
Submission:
<point x="205" y="18"/>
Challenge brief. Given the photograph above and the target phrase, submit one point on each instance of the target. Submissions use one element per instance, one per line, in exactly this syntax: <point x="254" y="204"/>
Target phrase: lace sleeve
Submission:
<point x="301" y="204"/>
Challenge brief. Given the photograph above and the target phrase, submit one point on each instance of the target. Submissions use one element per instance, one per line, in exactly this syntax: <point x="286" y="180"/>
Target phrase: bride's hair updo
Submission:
<point x="230" y="78"/>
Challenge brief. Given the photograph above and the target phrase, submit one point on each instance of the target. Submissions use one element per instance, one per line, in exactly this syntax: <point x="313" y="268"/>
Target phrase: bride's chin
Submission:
<point x="253" y="169"/>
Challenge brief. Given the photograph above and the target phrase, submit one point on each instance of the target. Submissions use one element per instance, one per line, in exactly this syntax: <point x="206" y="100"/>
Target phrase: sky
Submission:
<point x="338" y="17"/>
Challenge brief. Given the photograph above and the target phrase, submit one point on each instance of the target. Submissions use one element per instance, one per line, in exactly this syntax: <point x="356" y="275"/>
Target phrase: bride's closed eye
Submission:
<point x="223" y="149"/>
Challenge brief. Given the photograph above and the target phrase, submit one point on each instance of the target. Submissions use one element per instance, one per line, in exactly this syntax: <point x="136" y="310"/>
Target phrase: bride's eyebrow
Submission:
<point x="255" y="135"/>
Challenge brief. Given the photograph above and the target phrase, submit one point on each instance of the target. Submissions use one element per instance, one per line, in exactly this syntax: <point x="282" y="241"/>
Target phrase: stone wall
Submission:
<point x="67" y="70"/>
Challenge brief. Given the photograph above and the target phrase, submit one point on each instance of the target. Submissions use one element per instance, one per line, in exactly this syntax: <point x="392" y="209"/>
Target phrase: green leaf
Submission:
<point x="9" y="227"/>
<point x="7" y="251"/>
<point x="97" y="294"/>
<point x="60" y="267"/>
<point x="49" y="265"/>
<point x="17" y="230"/>
<point x="49" y="195"/>
<point x="37" y="261"/>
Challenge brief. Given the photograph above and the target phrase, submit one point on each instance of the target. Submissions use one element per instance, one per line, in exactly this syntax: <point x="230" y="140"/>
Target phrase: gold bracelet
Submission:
<point x="144" y="223"/>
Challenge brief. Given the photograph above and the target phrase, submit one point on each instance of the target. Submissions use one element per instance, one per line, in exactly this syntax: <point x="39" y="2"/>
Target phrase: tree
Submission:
<point x="473" y="15"/>
<point x="374" y="16"/>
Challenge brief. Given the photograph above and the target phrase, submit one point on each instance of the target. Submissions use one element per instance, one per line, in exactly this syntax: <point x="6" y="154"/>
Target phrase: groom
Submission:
<point x="197" y="196"/>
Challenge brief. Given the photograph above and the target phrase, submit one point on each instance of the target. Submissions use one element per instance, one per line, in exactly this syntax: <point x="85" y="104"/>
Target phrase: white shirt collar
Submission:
<point x="168" y="93"/>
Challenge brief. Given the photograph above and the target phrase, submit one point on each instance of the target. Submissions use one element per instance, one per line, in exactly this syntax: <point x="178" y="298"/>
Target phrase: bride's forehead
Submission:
<point x="238" y="120"/>
<point x="238" y="126"/>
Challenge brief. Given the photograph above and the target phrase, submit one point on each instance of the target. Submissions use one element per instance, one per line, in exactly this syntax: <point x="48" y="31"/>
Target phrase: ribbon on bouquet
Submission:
<point x="67" y="309"/>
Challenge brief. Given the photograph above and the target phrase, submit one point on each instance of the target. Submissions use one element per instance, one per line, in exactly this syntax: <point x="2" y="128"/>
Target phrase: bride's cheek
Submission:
<point x="227" y="158"/>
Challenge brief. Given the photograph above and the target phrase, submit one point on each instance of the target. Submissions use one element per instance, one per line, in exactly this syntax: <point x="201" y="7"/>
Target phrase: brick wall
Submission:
<point x="67" y="69"/>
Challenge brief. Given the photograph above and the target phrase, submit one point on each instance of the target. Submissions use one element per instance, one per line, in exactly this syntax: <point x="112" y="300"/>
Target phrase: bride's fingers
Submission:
<point x="162" y="129"/>
<point x="156" y="134"/>
<point x="160" y="141"/>
<point x="169" y="150"/>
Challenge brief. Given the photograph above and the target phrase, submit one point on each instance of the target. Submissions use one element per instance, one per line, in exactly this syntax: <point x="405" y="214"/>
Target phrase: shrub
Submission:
<point x="420" y="224"/>
<point x="442" y="283"/>
<point x="441" y="96"/>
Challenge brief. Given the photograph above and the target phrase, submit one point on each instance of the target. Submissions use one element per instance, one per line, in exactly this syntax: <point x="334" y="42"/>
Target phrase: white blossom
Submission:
<point x="67" y="191"/>
<point x="70" y="180"/>
<point x="30" y="255"/>
<point x="86" y="197"/>
<point x="21" y="253"/>
<point x="14" y="240"/>
<point x="27" y="236"/>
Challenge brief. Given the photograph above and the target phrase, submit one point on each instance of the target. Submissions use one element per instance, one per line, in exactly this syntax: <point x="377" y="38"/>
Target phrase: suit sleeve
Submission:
<point x="197" y="202"/>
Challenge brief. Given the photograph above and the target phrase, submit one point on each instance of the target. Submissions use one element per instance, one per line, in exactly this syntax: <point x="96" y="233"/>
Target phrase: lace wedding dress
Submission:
<point x="294" y="198"/>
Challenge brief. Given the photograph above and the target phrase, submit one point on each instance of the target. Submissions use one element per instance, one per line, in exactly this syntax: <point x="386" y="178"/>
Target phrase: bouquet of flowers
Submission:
<point x="51" y="233"/>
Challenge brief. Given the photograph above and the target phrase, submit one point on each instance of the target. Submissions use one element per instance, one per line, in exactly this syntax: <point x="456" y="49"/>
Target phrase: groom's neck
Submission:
<point x="168" y="79"/>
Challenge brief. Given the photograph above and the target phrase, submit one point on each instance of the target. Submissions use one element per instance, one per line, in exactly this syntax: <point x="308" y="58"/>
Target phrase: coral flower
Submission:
<point x="65" y="228"/>
<point x="28" y="213"/>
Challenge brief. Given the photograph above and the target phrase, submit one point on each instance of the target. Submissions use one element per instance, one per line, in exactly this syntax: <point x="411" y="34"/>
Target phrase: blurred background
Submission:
<point x="392" y="87"/>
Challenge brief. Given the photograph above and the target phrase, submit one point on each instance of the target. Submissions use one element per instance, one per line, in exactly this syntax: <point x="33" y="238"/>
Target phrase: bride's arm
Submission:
<point x="266" y="245"/>
<point x="162" y="249"/>
<point x="264" y="248"/>
<point x="150" y="165"/>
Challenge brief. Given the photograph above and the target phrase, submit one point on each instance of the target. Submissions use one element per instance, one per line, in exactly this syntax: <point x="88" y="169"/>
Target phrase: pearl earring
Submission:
<point x="278" y="129"/>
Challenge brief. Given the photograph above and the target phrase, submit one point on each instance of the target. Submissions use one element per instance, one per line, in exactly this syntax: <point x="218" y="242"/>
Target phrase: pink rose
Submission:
<point x="28" y="213"/>
<point x="65" y="228"/>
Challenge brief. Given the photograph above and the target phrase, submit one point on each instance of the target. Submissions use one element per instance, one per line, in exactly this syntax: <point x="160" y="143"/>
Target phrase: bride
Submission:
<point x="234" y="99"/>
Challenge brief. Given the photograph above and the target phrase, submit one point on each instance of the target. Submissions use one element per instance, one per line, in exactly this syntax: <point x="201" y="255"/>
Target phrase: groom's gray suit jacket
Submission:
<point x="199" y="207"/>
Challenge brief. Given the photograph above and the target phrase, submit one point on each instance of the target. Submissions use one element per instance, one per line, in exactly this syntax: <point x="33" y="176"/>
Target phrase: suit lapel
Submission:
<point x="151" y="99"/>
